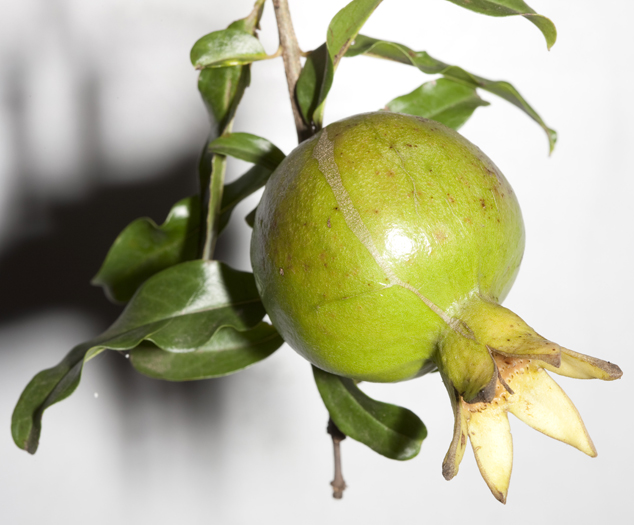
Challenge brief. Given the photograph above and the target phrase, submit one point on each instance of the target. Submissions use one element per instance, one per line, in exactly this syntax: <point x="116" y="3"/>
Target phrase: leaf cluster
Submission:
<point x="189" y="317"/>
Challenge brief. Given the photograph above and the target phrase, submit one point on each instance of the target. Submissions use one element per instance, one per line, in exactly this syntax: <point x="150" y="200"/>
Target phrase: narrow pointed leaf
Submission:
<point x="228" y="47"/>
<point x="143" y="249"/>
<point x="251" y="148"/>
<point x="314" y="82"/>
<point x="317" y="76"/>
<point x="364" y="45"/>
<point x="442" y="100"/>
<point x="345" y="26"/>
<point x="390" y="430"/>
<point x="222" y="89"/>
<point x="216" y="187"/>
<point x="250" y="218"/>
<point x="241" y="188"/>
<point x="512" y="8"/>
<point x="178" y="309"/>
<point x="228" y="351"/>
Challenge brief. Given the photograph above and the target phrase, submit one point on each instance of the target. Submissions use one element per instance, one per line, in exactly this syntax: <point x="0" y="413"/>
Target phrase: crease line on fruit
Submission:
<point x="324" y="153"/>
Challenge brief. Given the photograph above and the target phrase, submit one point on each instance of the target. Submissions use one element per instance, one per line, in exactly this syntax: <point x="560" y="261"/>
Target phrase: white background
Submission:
<point x="100" y="122"/>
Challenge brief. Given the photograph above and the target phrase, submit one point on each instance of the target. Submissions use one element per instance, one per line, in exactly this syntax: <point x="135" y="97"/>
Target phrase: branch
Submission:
<point x="338" y="484"/>
<point x="292" y="66"/>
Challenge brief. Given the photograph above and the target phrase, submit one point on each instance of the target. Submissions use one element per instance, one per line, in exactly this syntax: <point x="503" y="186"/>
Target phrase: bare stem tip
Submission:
<point x="338" y="484"/>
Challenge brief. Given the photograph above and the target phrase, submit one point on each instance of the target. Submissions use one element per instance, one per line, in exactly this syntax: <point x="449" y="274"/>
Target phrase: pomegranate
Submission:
<point x="382" y="249"/>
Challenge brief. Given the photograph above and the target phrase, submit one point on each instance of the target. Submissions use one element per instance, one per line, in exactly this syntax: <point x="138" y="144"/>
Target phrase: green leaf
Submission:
<point x="222" y="89"/>
<point x="143" y="249"/>
<point x="364" y="45"/>
<point x="345" y="26"/>
<point x="179" y="309"/>
<point x="512" y="8"/>
<point x="442" y="100"/>
<point x="235" y="192"/>
<point x="316" y="77"/>
<point x="250" y="218"/>
<point x="216" y="188"/>
<point x="249" y="147"/>
<point x="313" y="84"/>
<point x="228" y="47"/>
<point x="390" y="430"/>
<point x="228" y="351"/>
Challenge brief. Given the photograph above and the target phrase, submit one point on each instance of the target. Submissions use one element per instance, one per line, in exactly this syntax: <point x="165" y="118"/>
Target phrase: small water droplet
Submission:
<point x="96" y="395"/>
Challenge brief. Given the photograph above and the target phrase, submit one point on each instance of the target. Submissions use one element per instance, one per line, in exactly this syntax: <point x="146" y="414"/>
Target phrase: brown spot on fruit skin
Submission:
<point x="483" y="203"/>
<point x="450" y="198"/>
<point x="440" y="236"/>
<point x="328" y="223"/>
<point x="282" y="271"/>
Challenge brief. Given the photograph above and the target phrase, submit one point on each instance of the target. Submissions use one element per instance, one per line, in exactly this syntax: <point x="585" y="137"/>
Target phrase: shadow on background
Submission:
<point x="55" y="245"/>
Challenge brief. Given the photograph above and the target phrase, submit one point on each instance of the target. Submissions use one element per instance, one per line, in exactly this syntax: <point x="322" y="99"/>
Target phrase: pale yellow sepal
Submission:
<point x="542" y="404"/>
<point x="490" y="436"/>
<point x="458" y="444"/>
<point x="581" y="366"/>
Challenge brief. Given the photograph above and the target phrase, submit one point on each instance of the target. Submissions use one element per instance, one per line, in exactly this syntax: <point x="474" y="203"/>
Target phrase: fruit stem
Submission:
<point x="338" y="484"/>
<point x="292" y="65"/>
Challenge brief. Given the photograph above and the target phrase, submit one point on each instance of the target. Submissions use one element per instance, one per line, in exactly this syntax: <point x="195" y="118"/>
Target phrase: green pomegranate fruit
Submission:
<point x="382" y="249"/>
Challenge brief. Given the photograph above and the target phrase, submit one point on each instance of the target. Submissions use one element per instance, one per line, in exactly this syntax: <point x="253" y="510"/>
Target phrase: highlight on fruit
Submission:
<point x="382" y="249"/>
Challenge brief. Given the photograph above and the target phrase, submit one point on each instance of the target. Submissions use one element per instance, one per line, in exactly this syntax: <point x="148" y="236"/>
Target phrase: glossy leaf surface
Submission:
<point x="250" y="218"/>
<point x="512" y="8"/>
<point x="441" y="100"/>
<point x="345" y="26"/>
<point x="228" y="47"/>
<point x="216" y="188"/>
<point x="314" y="83"/>
<point x="390" y="430"/>
<point x="251" y="148"/>
<point x="317" y="76"/>
<point x="235" y="192"/>
<point x="143" y="249"/>
<point x="221" y="89"/>
<point x="364" y="45"/>
<point x="179" y="309"/>
<point x="228" y="351"/>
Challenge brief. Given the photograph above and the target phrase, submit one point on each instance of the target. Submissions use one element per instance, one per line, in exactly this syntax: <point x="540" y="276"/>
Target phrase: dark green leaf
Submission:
<point x="216" y="186"/>
<point x="228" y="47"/>
<point x="251" y="22"/>
<point x="249" y="147"/>
<point x="345" y="26"/>
<point x="316" y="77"/>
<point x="390" y="430"/>
<point x="179" y="309"/>
<point x="512" y="8"/>
<point x="250" y="218"/>
<point x="222" y="89"/>
<point x="241" y="188"/>
<point x="313" y="83"/>
<point x="143" y="249"/>
<point x="226" y="352"/>
<point x="364" y="45"/>
<point x="441" y="100"/>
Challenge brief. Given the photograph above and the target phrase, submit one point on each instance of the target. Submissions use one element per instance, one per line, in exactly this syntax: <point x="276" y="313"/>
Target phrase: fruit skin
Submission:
<point x="374" y="235"/>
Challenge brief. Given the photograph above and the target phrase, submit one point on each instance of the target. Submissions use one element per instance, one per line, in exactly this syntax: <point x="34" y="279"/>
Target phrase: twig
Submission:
<point x="338" y="484"/>
<point x="292" y="64"/>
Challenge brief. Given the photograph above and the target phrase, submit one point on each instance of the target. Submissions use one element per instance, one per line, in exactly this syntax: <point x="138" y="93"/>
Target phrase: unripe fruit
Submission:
<point x="363" y="227"/>
<point x="382" y="248"/>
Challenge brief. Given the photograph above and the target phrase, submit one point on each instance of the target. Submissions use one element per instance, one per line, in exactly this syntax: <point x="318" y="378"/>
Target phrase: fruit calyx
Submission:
<point x="500" y="368"/>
